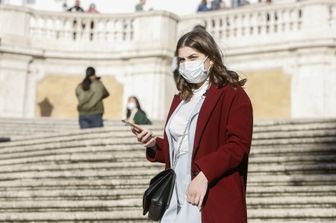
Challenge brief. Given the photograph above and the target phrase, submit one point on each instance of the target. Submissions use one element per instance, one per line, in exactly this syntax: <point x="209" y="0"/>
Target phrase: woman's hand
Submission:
<point x="197" y="190"/>
<point x="144" y="136"/>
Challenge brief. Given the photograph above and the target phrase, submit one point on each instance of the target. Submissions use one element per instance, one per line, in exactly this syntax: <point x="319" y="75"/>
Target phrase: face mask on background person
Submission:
<point x="131" y="105"/>
<point x="194" y="71"/>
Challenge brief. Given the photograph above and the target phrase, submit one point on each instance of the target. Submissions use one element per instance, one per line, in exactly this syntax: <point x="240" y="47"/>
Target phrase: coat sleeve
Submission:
<point x="239" y="135"/>
<point x="156" y="153"/>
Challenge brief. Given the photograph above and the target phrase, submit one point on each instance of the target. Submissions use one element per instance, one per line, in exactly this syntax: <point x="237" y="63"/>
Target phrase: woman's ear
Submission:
<point x="211" y="63"/>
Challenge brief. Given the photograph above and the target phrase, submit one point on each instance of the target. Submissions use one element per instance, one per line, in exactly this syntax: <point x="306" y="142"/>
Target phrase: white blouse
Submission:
<point x="181" y="118"/>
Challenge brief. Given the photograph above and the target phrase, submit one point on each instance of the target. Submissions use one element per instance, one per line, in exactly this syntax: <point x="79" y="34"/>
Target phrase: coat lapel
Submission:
<point x="209" y="103"/>
<point x="175" y="103"/>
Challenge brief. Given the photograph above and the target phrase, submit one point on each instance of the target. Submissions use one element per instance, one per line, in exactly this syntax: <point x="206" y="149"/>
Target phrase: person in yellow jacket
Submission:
<point x="90" y="95"/>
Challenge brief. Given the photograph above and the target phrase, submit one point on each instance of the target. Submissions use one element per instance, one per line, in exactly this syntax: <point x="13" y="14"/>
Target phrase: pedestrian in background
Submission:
<point x="92" y="8"/>
<point x="76" y="7"/>
<point x="90" y="95"/>
<point x="135" y="114"/>
<point x="140" y="6"/>
<point x="203" y="6"/>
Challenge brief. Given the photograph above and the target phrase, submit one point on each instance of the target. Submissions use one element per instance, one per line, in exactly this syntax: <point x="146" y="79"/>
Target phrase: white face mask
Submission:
<point x="194" y="71"/>
<point x="131" y="105"/>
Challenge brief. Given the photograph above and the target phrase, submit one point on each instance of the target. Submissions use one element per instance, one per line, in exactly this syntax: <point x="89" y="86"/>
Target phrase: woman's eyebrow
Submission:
<point x="191" y="55"/>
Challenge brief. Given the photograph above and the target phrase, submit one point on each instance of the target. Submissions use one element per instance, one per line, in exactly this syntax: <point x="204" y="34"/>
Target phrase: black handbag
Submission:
<point x="157" y="197"/>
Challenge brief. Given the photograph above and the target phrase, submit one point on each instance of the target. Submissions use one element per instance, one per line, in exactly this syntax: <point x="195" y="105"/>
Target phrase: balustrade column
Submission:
<point x="14" y="25"/>
<point x="315" y="18"/>
<point x="149" y="78"/>
<point x="14" y="31"/>
<point x="313" y="84"/>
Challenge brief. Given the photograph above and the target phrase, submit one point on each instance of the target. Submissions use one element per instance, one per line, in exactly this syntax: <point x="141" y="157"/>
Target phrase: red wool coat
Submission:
<point x="221" y="149"/>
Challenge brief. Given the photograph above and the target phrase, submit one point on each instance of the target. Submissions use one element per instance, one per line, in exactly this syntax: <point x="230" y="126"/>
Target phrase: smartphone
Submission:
<point x="137" y="128"/>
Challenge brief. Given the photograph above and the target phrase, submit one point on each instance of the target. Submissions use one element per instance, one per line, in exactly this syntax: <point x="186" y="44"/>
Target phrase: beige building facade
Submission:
<point x="286" y="51"/>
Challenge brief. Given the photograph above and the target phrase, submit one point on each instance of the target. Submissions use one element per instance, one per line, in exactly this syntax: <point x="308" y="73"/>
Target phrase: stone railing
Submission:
<point x="252" y="21"/>
<point x="243" y="26"/>
<point x="266" y="23"/>
<point x="83" y="32"/>
<point x="82" y="27"/>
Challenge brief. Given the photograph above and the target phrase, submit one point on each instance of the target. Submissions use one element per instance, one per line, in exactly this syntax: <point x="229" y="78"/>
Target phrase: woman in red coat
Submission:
<point x="208" y="133"/>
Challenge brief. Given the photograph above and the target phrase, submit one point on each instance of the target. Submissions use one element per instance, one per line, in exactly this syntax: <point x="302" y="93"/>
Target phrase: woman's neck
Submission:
<point x="197" y="86"/>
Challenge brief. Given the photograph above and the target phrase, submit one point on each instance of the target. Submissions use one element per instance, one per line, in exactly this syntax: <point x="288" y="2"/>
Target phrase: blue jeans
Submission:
<point x="91" y="121"/>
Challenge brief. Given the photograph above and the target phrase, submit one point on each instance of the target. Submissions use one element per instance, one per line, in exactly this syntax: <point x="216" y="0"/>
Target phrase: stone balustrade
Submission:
<point x="248" y="25"/>
<point x="82" y="27"/>
<point x="262" y="24"/>
<point x="81" y="31"/>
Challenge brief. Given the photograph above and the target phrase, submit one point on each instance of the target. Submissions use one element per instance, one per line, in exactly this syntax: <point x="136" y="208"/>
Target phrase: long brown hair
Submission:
<point x="219" y="75"/>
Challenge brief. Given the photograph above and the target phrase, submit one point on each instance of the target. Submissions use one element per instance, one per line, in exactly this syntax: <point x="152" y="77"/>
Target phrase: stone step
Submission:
<point x="279" y="150"/>
<point x="292" y="201"/>
<point x="303" y="140"/>
<point x="134" y="156"/>
<point x="149" y="171"/>
<point x="138" y="181"/>
<point x="131" y="141"/>
<point x="299" y="214"/>
<point x="94" y="194"/>
<point x="86" y="158"/>
<point x="295" y="134"/>
<point x="127" y="215"/>
<point x="129" y="169"/>
<point x="158" y="127"/>
<point x="118" y="161"/>
<point x="12" y="127"/>
<point x="282" y="127"/>
<point x="133" y="216"/>
<point x="136" y="204"/>
<point x="291" y="146"/>
<point x="125" y="132"/>
<point x="261" y="191"/>
<point x="122" y="216"/>
<point x="294" y="127"/>
<point x="328" y="164"/>
<point x="59" y="121"/>
<point x="260" y="123"/>
<point x="71" y="205"/>
<point x="292" y="180"/>
<point x="288" y="220"/>
<point x="293" y="149"/>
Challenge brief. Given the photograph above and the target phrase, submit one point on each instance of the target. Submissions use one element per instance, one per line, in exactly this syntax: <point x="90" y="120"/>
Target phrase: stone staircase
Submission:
<point x="18" y="128"/>
<point x="56" y="173"/>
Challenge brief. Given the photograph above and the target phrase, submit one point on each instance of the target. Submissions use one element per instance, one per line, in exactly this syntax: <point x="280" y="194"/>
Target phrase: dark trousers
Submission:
<point x="91" y="121"/>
